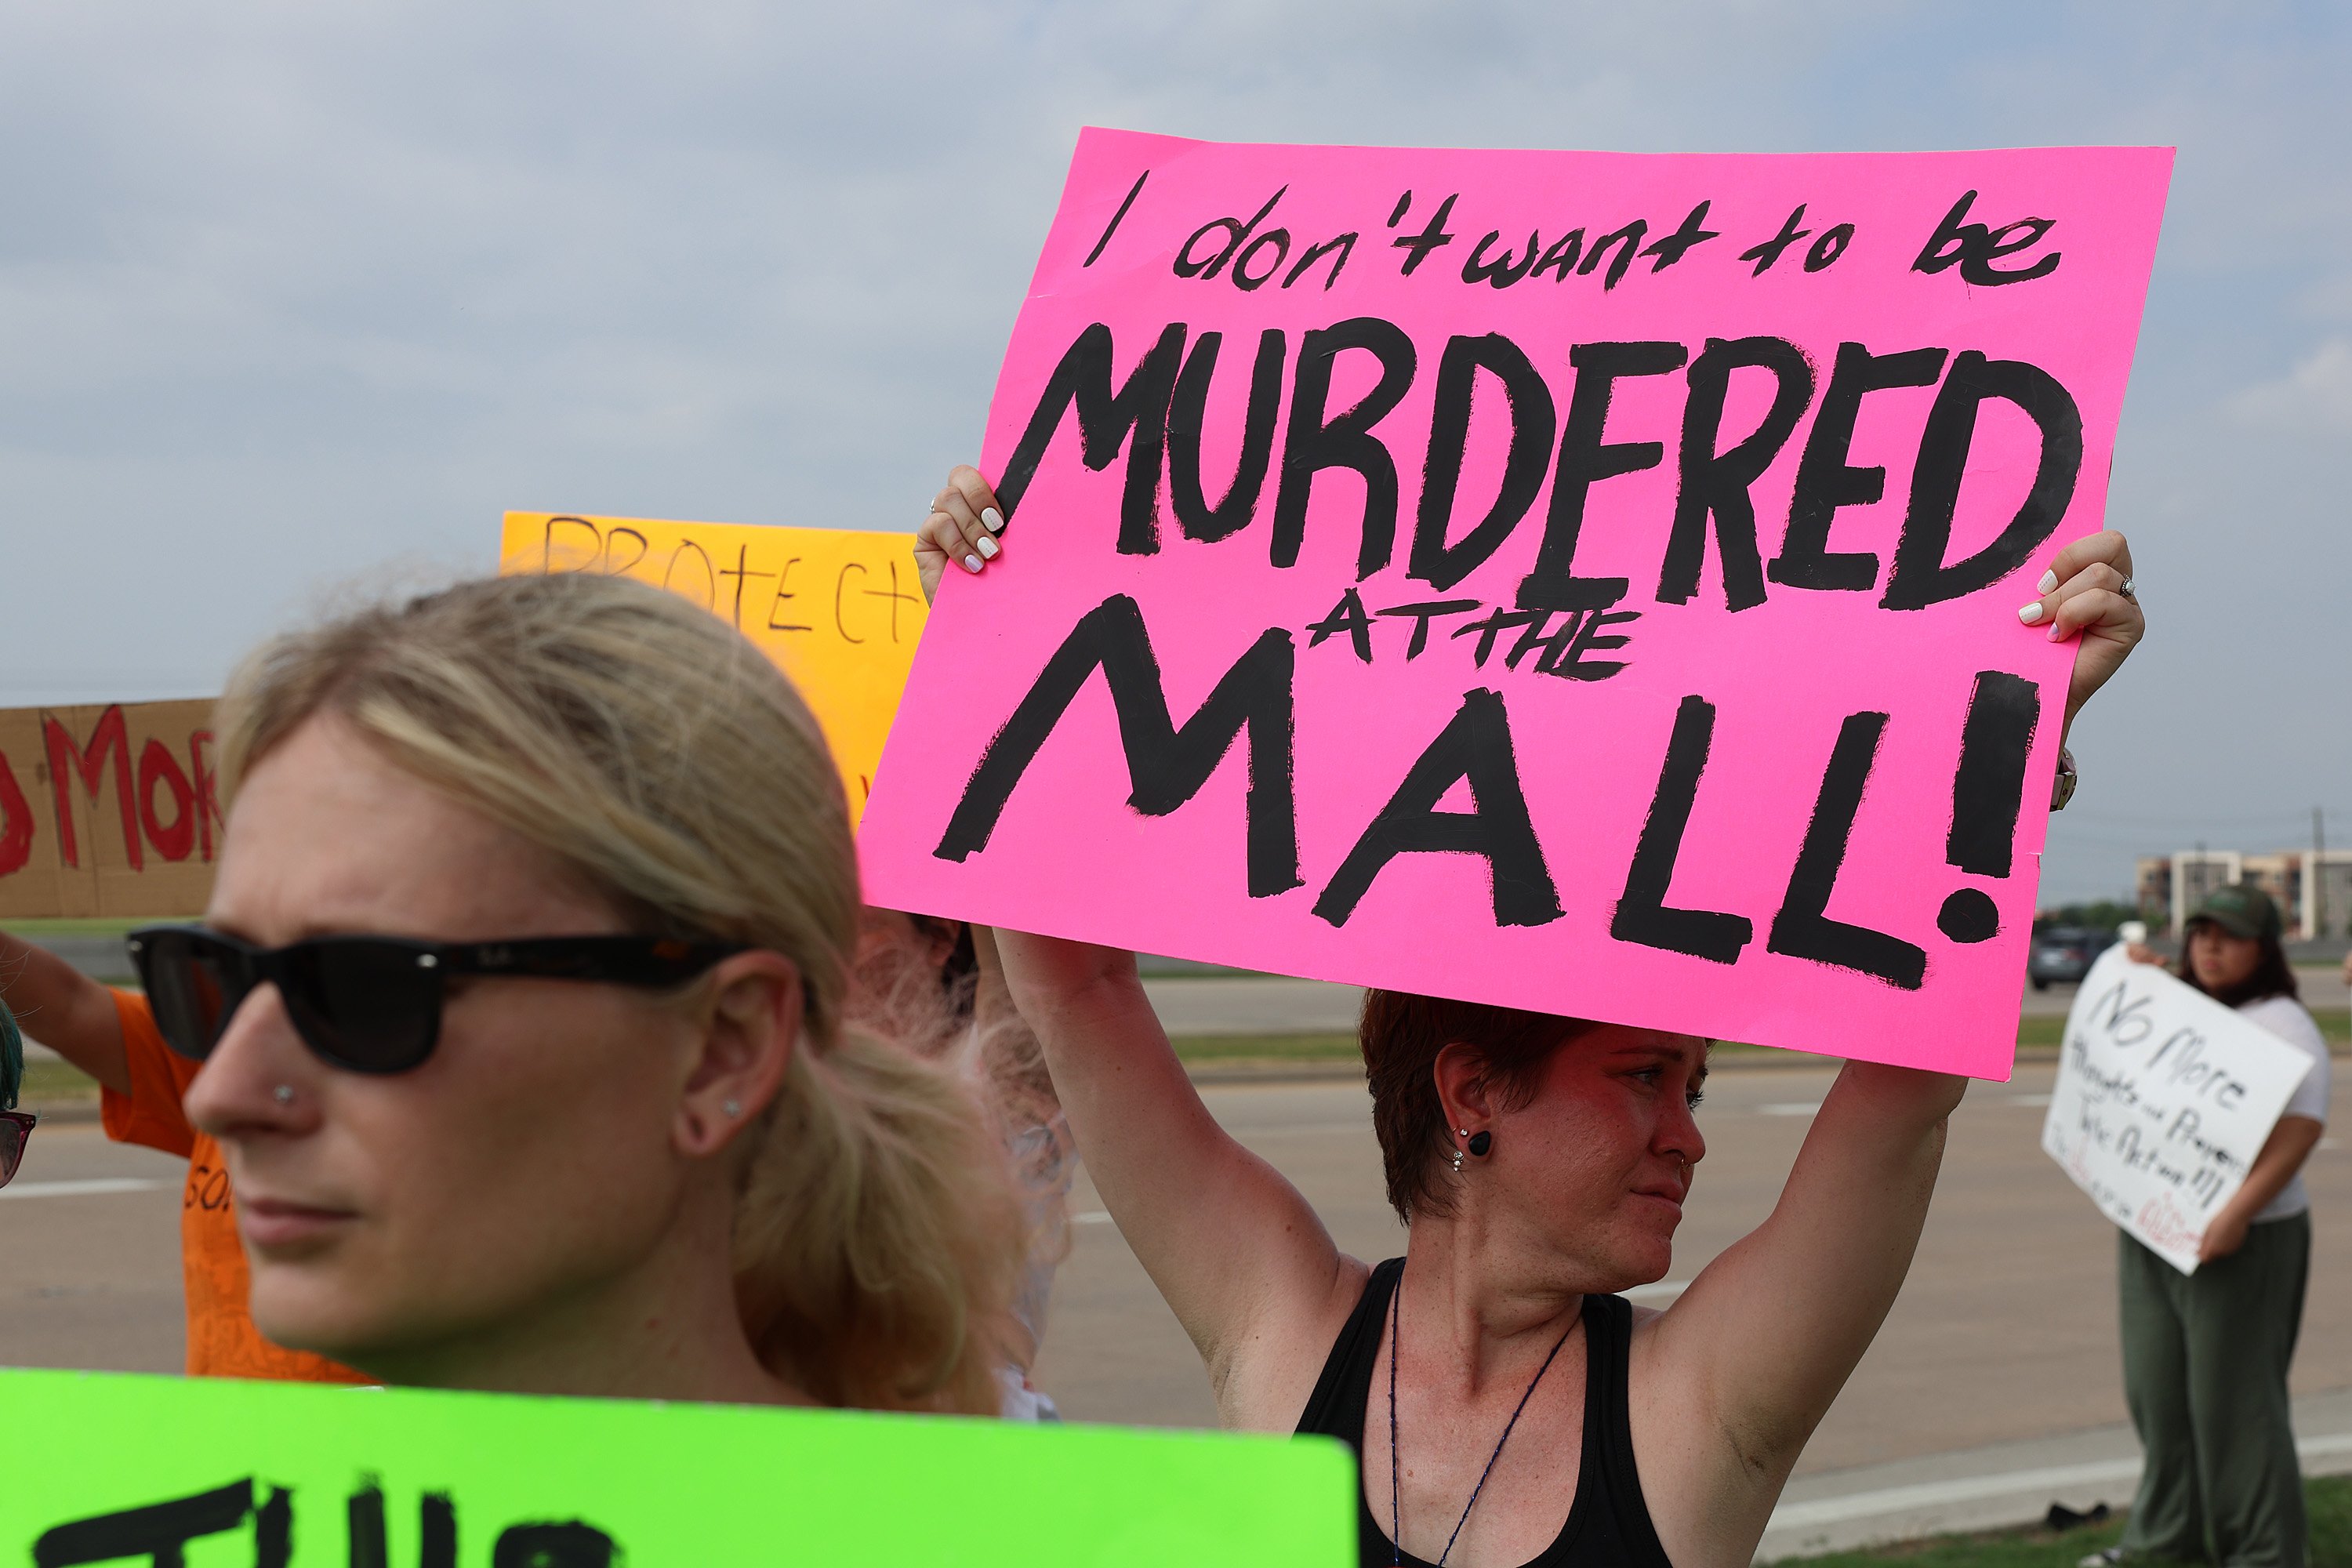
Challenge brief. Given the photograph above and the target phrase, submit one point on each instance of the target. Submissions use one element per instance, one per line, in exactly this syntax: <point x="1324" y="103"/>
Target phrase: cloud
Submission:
<point x="289" y="290"/>
<point x="2315" y="397"/>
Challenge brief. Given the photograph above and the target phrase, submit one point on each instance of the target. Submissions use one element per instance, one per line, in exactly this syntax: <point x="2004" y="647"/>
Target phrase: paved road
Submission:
<point x="1217" y="1004"/>
<point x="2006" y="1331"/>
<point x="89" y="1254"/>
<point x="1998" y="1361"/>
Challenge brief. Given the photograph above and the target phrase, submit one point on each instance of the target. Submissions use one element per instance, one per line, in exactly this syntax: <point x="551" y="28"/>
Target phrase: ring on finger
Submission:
<point x="2126" y="590"/>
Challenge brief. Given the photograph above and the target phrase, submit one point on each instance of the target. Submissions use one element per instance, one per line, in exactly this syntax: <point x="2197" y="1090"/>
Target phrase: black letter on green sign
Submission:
<point x="161" y="1531"/>
<point x="570" y="1544"/>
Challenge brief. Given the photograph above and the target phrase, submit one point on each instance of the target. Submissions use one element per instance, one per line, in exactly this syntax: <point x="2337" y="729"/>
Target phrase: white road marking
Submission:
<point x="1970" y="1488"/>
<point x="93" y="1187"/>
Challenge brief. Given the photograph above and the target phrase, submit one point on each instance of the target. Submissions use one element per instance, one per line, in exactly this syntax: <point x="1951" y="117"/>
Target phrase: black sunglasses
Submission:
<point x="16" y="1127"/>
<point x="372" y="1004"/>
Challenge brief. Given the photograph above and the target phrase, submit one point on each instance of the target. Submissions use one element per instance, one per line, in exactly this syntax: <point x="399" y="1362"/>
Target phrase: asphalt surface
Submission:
<point x="1220" y="1004"/>
<point x="2006" y="1331"/>
<point x="1995" y="1385"/>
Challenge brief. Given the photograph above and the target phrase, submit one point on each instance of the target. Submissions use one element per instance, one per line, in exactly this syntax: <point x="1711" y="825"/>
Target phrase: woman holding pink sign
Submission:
<point x="1508" y="1405"/>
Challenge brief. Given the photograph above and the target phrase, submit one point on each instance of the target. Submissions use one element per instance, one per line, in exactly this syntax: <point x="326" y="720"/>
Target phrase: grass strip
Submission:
<point x="2328" y="1499"/>
<point x="2336" y="1023"/>
<point x="48" y="1083"/>
<point x="1200" y="1048"/>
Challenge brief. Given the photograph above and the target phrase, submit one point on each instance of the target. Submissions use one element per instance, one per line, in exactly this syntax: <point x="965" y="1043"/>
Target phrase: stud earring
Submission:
<point x="1480" y="1142"/>
<point x="732" y="1107"/>
<point x="1457" y="1161"/>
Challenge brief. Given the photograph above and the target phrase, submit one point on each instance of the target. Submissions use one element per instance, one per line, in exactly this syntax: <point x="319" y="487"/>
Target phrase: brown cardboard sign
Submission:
<point x="107" y="811"/>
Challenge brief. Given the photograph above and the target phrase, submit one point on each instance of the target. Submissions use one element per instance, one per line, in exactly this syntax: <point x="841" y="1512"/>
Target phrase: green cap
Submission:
<point x="2241" y="909"/>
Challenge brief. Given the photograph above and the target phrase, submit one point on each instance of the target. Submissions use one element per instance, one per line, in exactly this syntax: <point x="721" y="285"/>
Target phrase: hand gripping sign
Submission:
<point x="1582" y="582"/>
<point x="2164" y="1098"/>
<point x="839" y="609"/>
<point x="288" y="1476"/>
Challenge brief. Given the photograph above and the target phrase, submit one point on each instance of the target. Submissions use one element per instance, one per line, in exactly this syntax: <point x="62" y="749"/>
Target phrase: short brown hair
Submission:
<point x="1401" y="1036"/>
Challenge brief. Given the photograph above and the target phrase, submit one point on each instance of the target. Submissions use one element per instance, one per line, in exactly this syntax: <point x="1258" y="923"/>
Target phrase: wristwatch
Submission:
<point x="2062" y="788"/>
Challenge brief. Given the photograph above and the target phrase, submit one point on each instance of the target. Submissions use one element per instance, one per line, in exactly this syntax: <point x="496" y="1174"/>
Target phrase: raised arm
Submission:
<point x="1241" y="1258"/>
<point x="1768" y="1334"/>
<point x="64" y="1009"/>
<point x="1832" y="1257"/>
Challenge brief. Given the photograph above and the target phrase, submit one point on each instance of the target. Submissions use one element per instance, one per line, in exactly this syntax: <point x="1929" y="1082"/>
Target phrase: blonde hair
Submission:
<point x="655" y="752"/>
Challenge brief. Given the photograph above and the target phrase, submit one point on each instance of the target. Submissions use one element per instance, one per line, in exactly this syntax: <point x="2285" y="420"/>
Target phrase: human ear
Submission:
<point x="750" y="1027"/>
<point x="1459" y="1076"/>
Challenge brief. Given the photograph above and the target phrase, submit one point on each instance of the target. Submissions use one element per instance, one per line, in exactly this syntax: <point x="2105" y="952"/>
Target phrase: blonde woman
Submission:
<point x="519" y="1001"/>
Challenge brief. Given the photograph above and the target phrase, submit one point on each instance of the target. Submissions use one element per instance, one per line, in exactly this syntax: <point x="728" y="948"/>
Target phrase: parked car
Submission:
<point x="2062" y="955"/>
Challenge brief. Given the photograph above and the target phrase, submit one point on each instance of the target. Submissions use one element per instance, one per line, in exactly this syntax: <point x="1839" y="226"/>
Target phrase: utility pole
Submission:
<point x="2318" y="874"/>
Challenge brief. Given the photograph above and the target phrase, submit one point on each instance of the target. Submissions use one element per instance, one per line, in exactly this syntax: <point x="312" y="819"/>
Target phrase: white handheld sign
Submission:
<point x="2164" y="1098"/>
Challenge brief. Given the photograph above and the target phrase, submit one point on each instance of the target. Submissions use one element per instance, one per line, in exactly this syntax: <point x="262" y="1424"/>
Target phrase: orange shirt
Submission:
<point x="222" y="1340"/>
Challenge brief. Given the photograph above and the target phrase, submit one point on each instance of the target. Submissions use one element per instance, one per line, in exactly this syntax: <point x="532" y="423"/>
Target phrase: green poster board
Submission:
<point x="203" y="1474"/>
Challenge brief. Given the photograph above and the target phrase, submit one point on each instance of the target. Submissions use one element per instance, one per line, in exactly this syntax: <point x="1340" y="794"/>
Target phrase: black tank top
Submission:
<point x="1608" y="1525"/>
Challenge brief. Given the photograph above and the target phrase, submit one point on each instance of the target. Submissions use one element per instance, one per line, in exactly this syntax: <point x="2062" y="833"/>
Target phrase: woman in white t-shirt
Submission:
<point x="2206" y="1355"/>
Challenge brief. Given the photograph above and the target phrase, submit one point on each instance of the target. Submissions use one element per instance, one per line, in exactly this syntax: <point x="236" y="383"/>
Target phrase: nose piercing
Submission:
<point x="283" y="1094"/>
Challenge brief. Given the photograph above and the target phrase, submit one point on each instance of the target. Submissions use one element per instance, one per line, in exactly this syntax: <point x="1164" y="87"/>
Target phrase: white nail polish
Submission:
<point x="2048" y="581"/>
<point x="2031" y="613"/>
<point x="2054" y="633"/>
<point x="988" y="548"/>
<point x="971" y="563"/>
<point x="988" y="515"/>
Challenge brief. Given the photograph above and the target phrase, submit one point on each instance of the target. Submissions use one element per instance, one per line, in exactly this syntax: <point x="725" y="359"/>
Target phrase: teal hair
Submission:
<point x="12" y="1058"/>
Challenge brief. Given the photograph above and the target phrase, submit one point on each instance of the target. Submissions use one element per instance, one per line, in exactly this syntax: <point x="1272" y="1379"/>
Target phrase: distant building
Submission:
<point x="2313" y="892"/>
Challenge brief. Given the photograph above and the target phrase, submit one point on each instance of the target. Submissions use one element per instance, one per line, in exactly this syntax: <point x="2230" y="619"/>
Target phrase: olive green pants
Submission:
<point x="2205" y="1360"/>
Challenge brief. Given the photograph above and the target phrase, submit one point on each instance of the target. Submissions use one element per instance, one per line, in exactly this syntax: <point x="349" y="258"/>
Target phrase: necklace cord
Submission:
<point x="1396" y="1523"/>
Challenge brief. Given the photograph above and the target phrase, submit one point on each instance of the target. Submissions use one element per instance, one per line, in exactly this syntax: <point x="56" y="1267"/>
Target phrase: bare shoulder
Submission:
<point x="1265" y="1380"/>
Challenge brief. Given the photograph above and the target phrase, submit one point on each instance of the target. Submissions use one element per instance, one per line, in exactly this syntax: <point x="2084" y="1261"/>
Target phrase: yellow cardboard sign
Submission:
<point x="839" y="609"/>
<point x="107" y="810"/>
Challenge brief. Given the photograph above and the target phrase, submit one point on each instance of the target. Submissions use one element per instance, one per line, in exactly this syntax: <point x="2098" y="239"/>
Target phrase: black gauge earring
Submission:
<point x="1480" y="1142"/>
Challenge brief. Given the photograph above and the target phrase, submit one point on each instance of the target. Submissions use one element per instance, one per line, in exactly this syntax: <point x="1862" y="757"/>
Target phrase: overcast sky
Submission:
<point x="294" y="294"/>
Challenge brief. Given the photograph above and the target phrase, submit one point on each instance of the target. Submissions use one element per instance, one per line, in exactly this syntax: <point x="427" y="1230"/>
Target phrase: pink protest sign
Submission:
<point x="1582" y="582"/>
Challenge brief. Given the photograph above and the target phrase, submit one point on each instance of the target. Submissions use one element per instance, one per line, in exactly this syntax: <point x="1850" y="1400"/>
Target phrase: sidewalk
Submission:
<point x="2002" y="1485"/>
